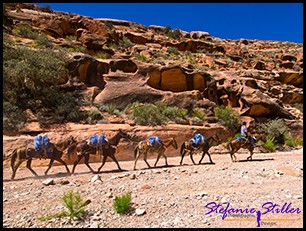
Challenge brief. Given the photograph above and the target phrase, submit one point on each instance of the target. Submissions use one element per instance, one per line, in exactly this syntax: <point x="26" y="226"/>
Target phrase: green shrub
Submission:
<point x="173" y="50"/>
<point x="126" y="43"/>
<point x="71" y="37"/>
<point x="101" y="55"/>
<point x="140" y="57"/>
<point x="299" y="106"/>
<point x="167" y="29"/>
<point x="109" y="25"/>
<point x="77" y="48"/>
<point x="174" y="34"/>
<point x="94" y="114"/>
<point x="43" y="41"/>
<point x="198" y="113"/>
<point x="269" y="144"/>
<point x="74" y="203"/>
<point x="25" y="31"/>
<point x="275" y="129"/>
<point x="122" y="204"/>
<point x="291" y="141"/>
<point x="110" y="108"/>
<point x="13" y="117"/>
<point x="31" y="79"/>
<point x="146" y="114"/>
<point x="228" y="117"/>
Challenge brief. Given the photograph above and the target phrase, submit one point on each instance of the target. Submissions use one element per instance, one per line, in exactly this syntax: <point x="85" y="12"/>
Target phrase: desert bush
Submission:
<point x="13" y="117"/>
<point x="228" y="117"/>
<point x="43" y="41"/>
<point x="174" y="34"/>
<point x="146" y="114"/>
<point x="167" y="29"/>
<point x="197" y="112"/>
<point x="299" y="106"/>
<point x="123" y="203"/>
<point x="71" y="37"/>
<point x="25" y="31"/>
<point x="275" y="129"/>
<point x="109" y="25"/>
<point x="94" y="114"/>
<point x="269" y="144"/>
<point x="140" y="57"/>
<point x="74" y="203"/>
<point x="173" y="50"/>
<point x="157" y="113"/>
<point x="291" y="141"/>
<point x="126" y="43"/>
<point x="31" y="77"/>
<point x="101" y="55"/>
<point x="77" y="48"/>
<point x="110" y="108"/>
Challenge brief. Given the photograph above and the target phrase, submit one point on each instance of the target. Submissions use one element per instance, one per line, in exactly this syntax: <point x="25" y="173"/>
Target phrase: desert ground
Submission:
<point x="165" y="196"/>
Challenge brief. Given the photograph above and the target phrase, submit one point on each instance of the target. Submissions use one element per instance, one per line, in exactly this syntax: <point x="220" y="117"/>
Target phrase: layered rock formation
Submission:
<point x="259" y="79"/>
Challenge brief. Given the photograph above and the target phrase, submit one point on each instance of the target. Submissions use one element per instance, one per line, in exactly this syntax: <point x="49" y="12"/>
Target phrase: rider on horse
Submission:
<point x="245" y="135"/>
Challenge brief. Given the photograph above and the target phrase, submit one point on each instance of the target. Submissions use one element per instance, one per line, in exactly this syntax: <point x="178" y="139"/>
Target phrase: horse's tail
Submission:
<point x="182" y="148"/>
<point x="13" y="159"/>
<point x="135" y="151"/>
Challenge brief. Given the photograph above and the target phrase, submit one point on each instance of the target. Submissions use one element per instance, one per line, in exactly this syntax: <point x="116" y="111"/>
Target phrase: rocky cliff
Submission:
<point x="122" y="62"/>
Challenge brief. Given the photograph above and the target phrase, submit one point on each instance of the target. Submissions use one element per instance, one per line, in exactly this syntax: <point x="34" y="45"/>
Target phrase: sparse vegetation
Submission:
<point x="101" y="55"/>
<point x="291" y="141"/>
<point x="228" y="117"/>
<point x="146" y="114"/>
<point x="173" y="50"/>
<point x="140" y="57"/>
<point x="123" y="203"/>
<point x="110" y="108"/>
<point x="269" y="144"/>
<point x="77" y="48"/>
<point x="73" y="203"/>
<point x="126" y="43"/>
<point x="27" y="72"/>
<point x="275" y="129"/>
<point x="299" y="106"/>
<point x="109" y="25"/>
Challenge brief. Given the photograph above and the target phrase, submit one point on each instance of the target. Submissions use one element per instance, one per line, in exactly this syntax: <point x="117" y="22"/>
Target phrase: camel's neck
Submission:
<point x="168" y="142"/>
<point x="210" y="141"/>
<point x="115" y="140"/>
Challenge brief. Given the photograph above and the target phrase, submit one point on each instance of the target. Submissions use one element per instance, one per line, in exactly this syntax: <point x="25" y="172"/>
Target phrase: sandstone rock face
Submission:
<point x="87" y="69"/>
<point x="177" y="79"/>
<point x="259" y="79"/>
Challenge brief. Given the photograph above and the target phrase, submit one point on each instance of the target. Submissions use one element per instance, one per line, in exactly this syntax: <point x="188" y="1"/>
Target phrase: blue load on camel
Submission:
<point x="197" y="139"/>
<point x="155" y="139"/>
<point x="96" y="139"/>
<point x="41" y="142"/>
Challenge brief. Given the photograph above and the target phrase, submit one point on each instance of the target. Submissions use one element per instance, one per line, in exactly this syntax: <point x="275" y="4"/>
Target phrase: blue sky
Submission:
<point x="261" y="21"/>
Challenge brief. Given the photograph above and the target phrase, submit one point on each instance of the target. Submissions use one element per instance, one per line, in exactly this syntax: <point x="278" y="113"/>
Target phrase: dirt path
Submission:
<point x="173" y="196"/>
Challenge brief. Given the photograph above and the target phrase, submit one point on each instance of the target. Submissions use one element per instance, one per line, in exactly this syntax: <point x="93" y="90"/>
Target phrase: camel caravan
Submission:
<point x="43" y="148"/>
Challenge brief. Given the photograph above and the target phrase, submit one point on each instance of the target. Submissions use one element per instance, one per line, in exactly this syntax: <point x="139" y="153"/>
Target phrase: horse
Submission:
<point x="83" y="149"/>
<point x="187" y="147"/>
<point x="144" y="147"/>
<point x="235" y="144"/>
<point x="27" y="153"/>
